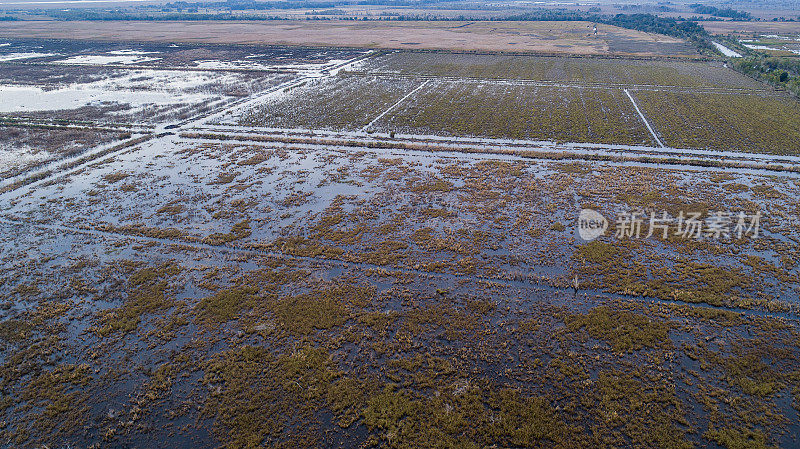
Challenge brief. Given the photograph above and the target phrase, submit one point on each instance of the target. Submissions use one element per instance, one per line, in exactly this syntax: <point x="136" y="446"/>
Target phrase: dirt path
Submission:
<point x="644" y="119"/>
<point x="390" y="108"/>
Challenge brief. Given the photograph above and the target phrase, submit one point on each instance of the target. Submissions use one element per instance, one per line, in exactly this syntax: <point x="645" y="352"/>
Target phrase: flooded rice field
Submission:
<point x="324" y="256"/>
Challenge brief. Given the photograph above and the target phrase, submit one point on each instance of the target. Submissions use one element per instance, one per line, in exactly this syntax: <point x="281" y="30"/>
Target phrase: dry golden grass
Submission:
<point x="544" y="37"/>
<point x="749" y="28"/>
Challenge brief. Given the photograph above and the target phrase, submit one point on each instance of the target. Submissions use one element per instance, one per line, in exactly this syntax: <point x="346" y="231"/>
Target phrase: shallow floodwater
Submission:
<point x="726" y="51"/>
<point x="19" y="56"/>
<point x="766" y="47"/>
<point x="32" y="98"/>
<point x="125" y="59"/>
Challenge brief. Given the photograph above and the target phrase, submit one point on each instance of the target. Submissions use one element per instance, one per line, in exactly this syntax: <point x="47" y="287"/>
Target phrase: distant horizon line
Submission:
<point x="54" y="2"/>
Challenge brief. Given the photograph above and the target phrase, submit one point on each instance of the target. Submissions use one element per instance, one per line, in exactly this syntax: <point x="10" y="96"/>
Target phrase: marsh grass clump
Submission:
<point x="305" y="247"/>
<point x="57" y="401"/>
<point x="636" y="412"/>
<point x="238" y="231"/>
<point x="718" y="316"/>
<point x="244" y="399"/>
<point x="225" y="305"/>
<point x="738" y="438"/>
<point x="149" y="274"/>
<point x="26" y="290"/>
<point x="710" y="284"/>
<point x="126" y="318"/>
<point x="752" y="375"/>
<point x="624" y="331"/>
<point x="224" y="178"/>
<point x="438" y="185"/>
<point x="147" y="295"/>
<point x="146" y="231"/>
<point x="115" y="177"/>
<point x="473" y="418"/>
<point x="15" y="331"/>
<point x="171" y="208"/>
<point x="322" y="309"/>
<point x="597" y="252"/>
<point x="257" y="398"/>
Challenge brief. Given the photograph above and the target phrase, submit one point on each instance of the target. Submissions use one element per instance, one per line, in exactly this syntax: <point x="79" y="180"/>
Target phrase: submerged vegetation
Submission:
<point x="399" y="269"/>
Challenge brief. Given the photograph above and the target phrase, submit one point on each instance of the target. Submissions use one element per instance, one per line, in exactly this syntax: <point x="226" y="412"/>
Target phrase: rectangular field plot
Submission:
<point x="503" y="110"/>
<point x="341" y="103"/>
<point x="561" y="69"/>
<point x="725" y="122"/>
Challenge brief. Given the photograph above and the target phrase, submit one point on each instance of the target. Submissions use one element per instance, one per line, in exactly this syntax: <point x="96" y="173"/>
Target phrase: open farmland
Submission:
<point x="566" y="70"/>
<point x="749" y="29"/>
<point x="752" y="123"/>
<point x="505" y="110"/>
<point x="356" y="248"/>
<point x="341" y="103"/>
<point x="519" y="112"/>
<point x="701" y="105"/>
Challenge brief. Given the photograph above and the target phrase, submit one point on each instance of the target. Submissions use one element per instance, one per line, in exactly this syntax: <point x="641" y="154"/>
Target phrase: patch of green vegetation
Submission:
<point x="738" y="438"/>
<point x="58" y="396"/>
<point x="624" y="331"/>
<point x="636" y="411"/>
<point x="126" y="318"/>
<point x="149" y="274"/>
<point x="26" y="290"/>
<point x="752" y="375"/>
<point x="147" y="295"/>
<point x="708" y="283"/>
<point x="322" y="309"/>
<point x="597" y="252"/>
<point x="224" y="178"/>
<point x="433" y="186"/>
<point x="115" y="177"/>
<point x="171" y="208"/>
<point x="238" y="231"/>
<point x="258" y="399"/>
<point x="145" y="231"/>
<point x="15" y="331"/>
<point x="243" y="398"/>
<point x="471" y="418"/>
<point x="303" y="247"/>
<point x="720" y="316"/>
<point x="225" y="305"/>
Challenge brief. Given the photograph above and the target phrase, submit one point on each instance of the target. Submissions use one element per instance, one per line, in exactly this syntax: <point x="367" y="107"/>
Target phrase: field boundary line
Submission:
<point x="223" y="132"/>
<point x="369" y="125"/>
<point x="572" y="85"/>
<point x="610" y="156"/>
<point x="644" y="119"/>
